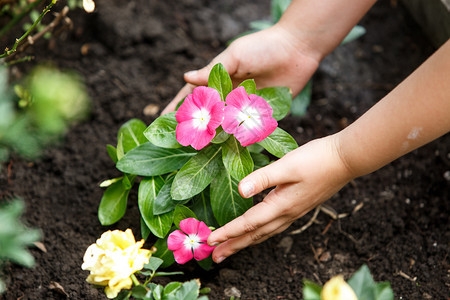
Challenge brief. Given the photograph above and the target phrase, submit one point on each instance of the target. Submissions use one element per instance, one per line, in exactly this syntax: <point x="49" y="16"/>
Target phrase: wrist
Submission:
<point x="348" y="169"/>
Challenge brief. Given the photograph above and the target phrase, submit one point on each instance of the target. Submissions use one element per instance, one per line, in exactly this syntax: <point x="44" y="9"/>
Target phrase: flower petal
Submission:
<point x="202" y="251"/>
<point x="238" y="98"/>
<point x="184" y="132"/>
<point x="206" y="97"/>
<point x="201" y="138"/>
<point x="183" y="255"/>
<point x="203" y="232"/>
<point x="231" y="121"/>
<point x="189" y="226"/>
<point x="176" y="240"/>
<point x="186" y="109"/>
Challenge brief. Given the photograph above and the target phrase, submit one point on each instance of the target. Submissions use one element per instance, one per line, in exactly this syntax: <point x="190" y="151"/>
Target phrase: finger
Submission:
<point x="233" y="246"/>
<point x="185" y="90"/>
<point x="259" y="215"/>
<point x="274" y="174"/>
<point x="200" y="77"/>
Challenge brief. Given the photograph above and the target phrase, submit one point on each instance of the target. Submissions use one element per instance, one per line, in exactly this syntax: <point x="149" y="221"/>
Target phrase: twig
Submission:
<point x="406" y="276"/>
<point x="310" y="222"/>
<point x="20" y="60"/>
<point x="18" y="17"/>
<point x="8" y="52"/>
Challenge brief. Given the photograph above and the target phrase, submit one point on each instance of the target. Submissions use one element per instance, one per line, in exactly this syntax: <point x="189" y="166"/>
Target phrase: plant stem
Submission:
<point x="19" y="40"/>
<point x="18" y="17"/>
<point x="135" y="280"/>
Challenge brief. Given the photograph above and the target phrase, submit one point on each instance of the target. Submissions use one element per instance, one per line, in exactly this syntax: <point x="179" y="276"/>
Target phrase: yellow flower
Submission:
<point x="337" y="289"/>
<point x="113" y="259"/>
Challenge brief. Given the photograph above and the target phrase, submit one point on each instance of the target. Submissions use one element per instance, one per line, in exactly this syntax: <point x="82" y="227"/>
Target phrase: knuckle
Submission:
<point x="256" y="236"/>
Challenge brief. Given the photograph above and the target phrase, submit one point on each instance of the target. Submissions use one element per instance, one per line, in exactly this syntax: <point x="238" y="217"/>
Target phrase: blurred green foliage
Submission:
<point x="39" y="110"/>
<point x="15" y="237"/>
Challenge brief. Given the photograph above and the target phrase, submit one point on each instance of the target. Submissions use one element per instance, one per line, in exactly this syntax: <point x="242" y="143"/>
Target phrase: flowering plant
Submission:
<point x="191" y="161"/>
<point x="360" y="286"/>
<point x="114" y="260"/>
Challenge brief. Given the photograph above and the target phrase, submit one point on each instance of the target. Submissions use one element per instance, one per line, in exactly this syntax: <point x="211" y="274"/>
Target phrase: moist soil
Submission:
<point x="133" y="53"/>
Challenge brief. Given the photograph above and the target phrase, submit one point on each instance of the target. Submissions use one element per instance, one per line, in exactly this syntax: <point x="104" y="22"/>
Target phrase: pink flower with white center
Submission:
<point x="198" y="117"/>
<point x="190" y="241"/>
<point x="248" y="117"/>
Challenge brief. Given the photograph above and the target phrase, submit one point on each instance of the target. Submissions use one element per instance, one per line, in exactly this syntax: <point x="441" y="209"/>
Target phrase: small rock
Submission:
<point x="426" y="296"/>
<point x="447" y="175"/>
<point x="232" y="292"/>
<point x="286" y="244"/>
<point x="151" y="110"/>
<point x="326" y="256"/>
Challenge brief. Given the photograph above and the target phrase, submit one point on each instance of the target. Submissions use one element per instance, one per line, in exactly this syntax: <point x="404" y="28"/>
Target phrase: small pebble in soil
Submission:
<point x="286" y="244"/>
<point x="447" y="175"/>
<point x="151" y="110"/>
<point x="232" y="292"/>
<point x="408" y="201"/>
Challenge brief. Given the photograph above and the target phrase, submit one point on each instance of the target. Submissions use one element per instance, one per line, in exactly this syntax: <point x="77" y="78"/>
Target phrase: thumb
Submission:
<point x="261" y="179"/>
<point x="200" y="77"/>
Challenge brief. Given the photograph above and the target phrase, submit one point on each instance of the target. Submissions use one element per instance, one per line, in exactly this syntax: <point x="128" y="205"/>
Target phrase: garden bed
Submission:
<point x="133" y="53"/>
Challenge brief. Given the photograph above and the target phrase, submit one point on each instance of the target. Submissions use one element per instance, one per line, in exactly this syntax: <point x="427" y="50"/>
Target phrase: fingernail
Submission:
<point x="214" y="244"/>
<point x="220" y="259"/>
<point x="247" y="189"/>
<point x="190" y="73"/>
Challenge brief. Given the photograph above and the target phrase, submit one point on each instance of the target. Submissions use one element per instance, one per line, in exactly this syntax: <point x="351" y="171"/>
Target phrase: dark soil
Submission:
<point x="136" y="54"/>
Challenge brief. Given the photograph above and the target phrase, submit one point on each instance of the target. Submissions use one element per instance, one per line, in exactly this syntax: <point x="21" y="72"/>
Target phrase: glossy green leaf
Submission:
<point x="279" y="143"/>
<point x="172" y="287"/>
<point x="150" y="160"/>
<point x="197" y="173"/>
<point x="145" y="231"/>
<point x="162" y="131"/>
<point x="113" y="204"/>
<point x="220" y="80"/>
<point x="128" y="181"/>
<point x="277" y="9"/>
<point x="260" y="160"/>
<point x="119" y="151"/>
<point x="182" y="212"/>
<point x="112" y="152"/>
<point x="201" y="206"/>
<point x="188" y="291"/>
<point x="153" y="264"/>
<point x="362" y="283"/>
<point x="236" y="159"/>
<point x="301" y="101"/>
<point x="279" y="98"/>
<point x="260" y="25"/>
<point x="220" y="137"/>
<point x="383" y="291"/>
<point x="255" y="148"/>
<point x="311" y="290"/>
<point x="163" y="252"/>
<point x="157" y="292"/>
<point x="226" y="202"/>
<point x="354" y="34"/>
<point x="249" y="85"/>
<point x="133" y="134"/>
<point x="164" y="202"/>
<point x="206" y="263"/>
<point x="139" y="291"/>
<point x="149" y="189"/>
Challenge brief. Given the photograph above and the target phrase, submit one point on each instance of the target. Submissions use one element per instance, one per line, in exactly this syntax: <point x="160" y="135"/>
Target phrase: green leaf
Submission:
<point x="311" y="290"/>
<point x="260" y="160"/>
<point x="162" y="131"/>
<point x="255" y="148"/>
<point x="164" y="202"/>
<point x="354" y="34"/>
<point x="154" y="263"/>
<point x="279" y="143"/>
<point x="157" y="292"/>
<point x="188" y="291"/>
<point x="249" y="85"/>
<point x="260" y="25"/>
<point x="236" y="159"/>
<point x="172" y="287"/>
<point x="145" y="231"/>
<point x="383" y="291"/>
<point x="301" y="102"/>
<point x="112" y="152"/>
<point x="179" y="104"/>
<point x="201" y="206"/>
<point x="150" y="160"/>
<point x="220" y="80"/>
<point x="279" y="98"/>
<point x="362" y="283"/>
<point x="206" y="263"/>
<point x="197" y="173"/>
<point x="220" y="137"/>
<point x="123" y="295"/>
<point x="160" y="224"/>
<point x="139" y="291"/>
<point x="226" y="202"/>
<point x="278" y="7"/>
<point x="133" y="134"/>
<point x="120" y="152"/>
<point x="128" y="181"/>
<point x="182" y="212"/>
<point x="169" y="273"/>
<point x="113" y="204"/>
<point x="163" y="252"/>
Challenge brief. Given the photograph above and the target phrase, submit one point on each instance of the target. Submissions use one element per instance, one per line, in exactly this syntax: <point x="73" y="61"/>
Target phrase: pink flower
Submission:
<point x="190" y="241"/>
<point x="198" y="117"/>
<point x="248" y="117"/>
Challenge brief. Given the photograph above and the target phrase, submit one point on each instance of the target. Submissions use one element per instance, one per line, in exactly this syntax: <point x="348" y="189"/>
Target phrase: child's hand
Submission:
<point x="272" y="57"/>
<point x="305" y="178"/>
